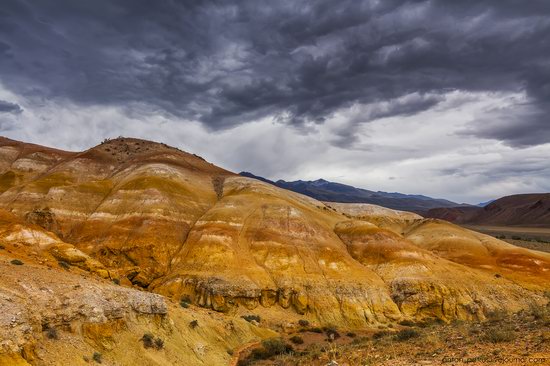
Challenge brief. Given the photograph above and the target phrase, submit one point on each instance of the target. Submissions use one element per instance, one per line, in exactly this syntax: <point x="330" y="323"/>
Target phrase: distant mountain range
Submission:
<point x="483" y="204"/>
<point x="515" y="210"/>
<point x="324" y="190"/>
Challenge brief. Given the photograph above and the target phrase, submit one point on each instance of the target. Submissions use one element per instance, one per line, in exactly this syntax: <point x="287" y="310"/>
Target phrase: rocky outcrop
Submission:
<point x="34" y="300"/>
<point x="52" y="317"/>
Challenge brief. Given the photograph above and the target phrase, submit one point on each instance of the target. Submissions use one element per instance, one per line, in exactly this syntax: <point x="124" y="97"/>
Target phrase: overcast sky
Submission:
<point x="445" y="98"/>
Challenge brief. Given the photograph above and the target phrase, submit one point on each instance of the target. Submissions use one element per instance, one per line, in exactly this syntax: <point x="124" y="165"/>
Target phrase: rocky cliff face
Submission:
<point x="156" y="218"/>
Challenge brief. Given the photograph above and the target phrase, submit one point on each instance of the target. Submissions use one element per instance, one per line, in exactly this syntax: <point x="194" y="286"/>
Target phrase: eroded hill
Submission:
<point x="155" y="218"/>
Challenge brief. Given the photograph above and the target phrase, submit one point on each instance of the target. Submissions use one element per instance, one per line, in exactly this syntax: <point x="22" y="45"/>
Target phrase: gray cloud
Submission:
<point x="299" y="61"/>
<point x="7" y="107"/>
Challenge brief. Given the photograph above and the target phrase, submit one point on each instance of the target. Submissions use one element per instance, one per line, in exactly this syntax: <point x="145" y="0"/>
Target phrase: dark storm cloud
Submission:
<point x="7" y="107"/>
<point x="299" y="61"/>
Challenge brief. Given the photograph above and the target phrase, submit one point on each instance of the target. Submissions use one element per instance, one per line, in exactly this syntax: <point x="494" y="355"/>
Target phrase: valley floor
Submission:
<point x="534" y="238"/>
<point x="521" y="339"/>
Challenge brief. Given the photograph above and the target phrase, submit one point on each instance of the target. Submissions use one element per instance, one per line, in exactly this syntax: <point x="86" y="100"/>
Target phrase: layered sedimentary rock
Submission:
<point x="170" y="222"/>
<point x="60" y="317"/>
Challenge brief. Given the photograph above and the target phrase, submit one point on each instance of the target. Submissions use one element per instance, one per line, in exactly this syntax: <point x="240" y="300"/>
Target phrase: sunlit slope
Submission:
<point x="170" y="222"/>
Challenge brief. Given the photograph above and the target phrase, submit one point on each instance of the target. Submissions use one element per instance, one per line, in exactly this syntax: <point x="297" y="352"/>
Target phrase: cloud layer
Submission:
<point x="353" y="78"/>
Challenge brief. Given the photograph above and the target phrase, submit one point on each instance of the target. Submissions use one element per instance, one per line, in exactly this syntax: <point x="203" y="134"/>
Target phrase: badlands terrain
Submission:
<point x="137" y="253"/>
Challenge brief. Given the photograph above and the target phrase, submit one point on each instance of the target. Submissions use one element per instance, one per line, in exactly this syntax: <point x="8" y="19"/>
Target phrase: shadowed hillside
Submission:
<point x="530" y="210"/>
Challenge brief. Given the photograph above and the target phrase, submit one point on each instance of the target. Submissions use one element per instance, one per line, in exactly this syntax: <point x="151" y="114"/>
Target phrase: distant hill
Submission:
<point x="324" y="190"/>
<point x="516" y="210"/>
<point x="483" y="204"/>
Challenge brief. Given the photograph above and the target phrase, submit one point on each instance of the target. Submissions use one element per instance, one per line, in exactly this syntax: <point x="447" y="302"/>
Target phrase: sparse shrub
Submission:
<point x="351" y="334"/>
<point x="97" y="357"/>
<point x="500" y="334"/>
<point x="193" y="324"/>
<point x="64" y="265"/>
<point x="331" y="332"/>
<point x="51" y="333"/>
<point x="379" y="335"/>
<point x="250" y="318"/>
<point x="159" y="343"/>
<point x="515" y="237"/>
<point x="303" y="323"/>
<point x="185" y="301"/>
<point x="16" y="262"/>
<point x="500" y="237"/>
<point x="230" y="352"/>
<point x="2" y="247"/>
<point x="297" y="339"/>
<point x="316" y="330"/>
<point x="407" y="323"/>
<point x="271" y="347"/>
<point x="116" y="281"/>
<point x="406" y="334"/>
<point x="360" y="340"/>
<point x="474" y="331"/>
<point x="496" y="316"/>
<point x="148" y="340"/>
<point x="498" y="275"/>
<point x="539" y="312"/>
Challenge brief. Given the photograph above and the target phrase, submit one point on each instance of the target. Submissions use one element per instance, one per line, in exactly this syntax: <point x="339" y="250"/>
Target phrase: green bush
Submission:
<point x="275" y="346"/>
<point x="316" y="330"/>
<point x="407" y="323"/>
<point x="148" y="340"/>
<point x="64" y="265"/>
<point x="501" y="334"/>
<point x="185" y="301"/>
<point x="303" y="323"/>
<point x="406" y="334"/>
<point x="159" y="343"/>
<point x="16" y="262"/>
<point x="297" y="339"/>
<point x="97" y="357"/>
<point x="51" y="333"/>
<point x="497" y="316"/>
<point x="360" y="340"/>
<point x="351" y="334"/>
<point x="193" y="324"/>
<point x="381" y="334"/>
<point x="331" y="332"/>
<point x="270" y="348"/>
